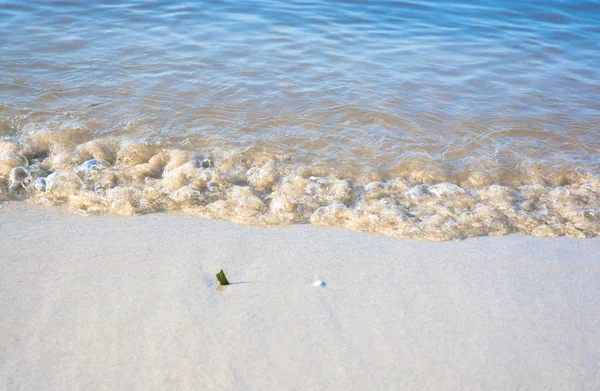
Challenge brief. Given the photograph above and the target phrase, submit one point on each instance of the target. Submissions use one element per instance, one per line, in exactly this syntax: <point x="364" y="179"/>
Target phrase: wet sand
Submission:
<point x="133" y="303"/>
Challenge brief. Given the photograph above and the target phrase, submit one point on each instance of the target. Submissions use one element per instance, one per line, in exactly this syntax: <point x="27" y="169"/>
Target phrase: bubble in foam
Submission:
<point x="122" y="207"/>
<point x="148" y="170"/>
<point x="375" y="186"/>
<point x="187" y="196"/>
<point x="10" y="159"/>
<point x="560" y="193"/>
<point x="418" y="192"/>
<point x="244" y="204"/>
<point x="171" y="159"/>
<point x="207" y="163"/>
<point x="335" y="214"/>
<point x="263" y="177"/>
<point x="281" y="208"/>
<point x="313" y="189"/>
<point x="40" y="185"/>
<point x="58" y="161"/>
<point x="341" y="191"/>
<point x="93" y="165"/>
<point x="104" y="150"/>
<point x="445" y="189"/>
<point x="13" y="156"/>
<point x="249" y="206"/>
<point x="18" y="180"/>
<point x="8" y="146"/>
<point x="62" y="184"/>
<point x="133" y="154"/>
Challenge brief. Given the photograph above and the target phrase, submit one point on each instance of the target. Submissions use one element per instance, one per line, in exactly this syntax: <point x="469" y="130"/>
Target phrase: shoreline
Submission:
<point x="108" y="302"/>
<point x="113" y="177"/>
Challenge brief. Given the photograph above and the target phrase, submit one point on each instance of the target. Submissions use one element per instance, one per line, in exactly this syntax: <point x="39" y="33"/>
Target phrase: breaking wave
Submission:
<point x="258" y="187"/>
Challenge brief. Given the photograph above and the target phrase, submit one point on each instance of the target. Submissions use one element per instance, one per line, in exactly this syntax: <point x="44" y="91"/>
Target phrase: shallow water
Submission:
<point x="422" y="119"/>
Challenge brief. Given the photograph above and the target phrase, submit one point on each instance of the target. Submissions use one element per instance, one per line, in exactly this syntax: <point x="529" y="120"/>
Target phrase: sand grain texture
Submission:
<point x="113" y="303"/>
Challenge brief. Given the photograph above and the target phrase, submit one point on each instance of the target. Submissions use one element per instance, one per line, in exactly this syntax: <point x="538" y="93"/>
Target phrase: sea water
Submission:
<point x="417" y="119"/>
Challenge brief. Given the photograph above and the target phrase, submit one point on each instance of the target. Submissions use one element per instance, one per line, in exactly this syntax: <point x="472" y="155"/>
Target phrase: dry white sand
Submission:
<point x="132" y="303"/>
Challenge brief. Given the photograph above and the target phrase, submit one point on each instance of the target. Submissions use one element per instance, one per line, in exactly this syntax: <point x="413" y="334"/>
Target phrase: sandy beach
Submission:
<point x="404" y="195"/>
<point x="109" y="303"/>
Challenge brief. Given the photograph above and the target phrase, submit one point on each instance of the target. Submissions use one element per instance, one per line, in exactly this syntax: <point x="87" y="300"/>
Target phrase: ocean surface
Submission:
<point x="433" y="120"/>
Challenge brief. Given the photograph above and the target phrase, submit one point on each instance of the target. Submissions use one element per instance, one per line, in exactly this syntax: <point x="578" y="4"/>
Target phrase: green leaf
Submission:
<point x="222" y="279"/>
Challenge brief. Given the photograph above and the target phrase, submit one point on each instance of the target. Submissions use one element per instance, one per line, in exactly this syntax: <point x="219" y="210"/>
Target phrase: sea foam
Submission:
<point x="254" y="187"/>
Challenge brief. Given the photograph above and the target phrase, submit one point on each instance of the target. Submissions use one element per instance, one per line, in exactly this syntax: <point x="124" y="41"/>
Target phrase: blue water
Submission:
<point x="467" y="93"/>
<point x="311" y="77"/>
